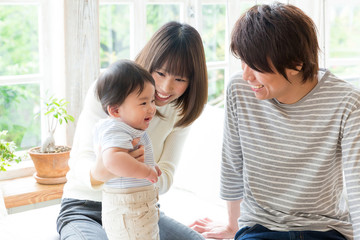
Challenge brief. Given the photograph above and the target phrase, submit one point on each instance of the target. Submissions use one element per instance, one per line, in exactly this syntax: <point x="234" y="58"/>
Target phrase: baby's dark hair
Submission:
<point x="119" y="80"/>
<point x="278" y="33"/>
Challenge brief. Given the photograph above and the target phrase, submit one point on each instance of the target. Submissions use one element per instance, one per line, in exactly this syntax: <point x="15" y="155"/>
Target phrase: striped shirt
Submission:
<point x="295" y="166"/>
<point x="111" y="132"/>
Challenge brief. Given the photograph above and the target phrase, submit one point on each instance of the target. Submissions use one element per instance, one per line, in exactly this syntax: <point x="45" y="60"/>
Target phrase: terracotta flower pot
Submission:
<point x="51" y="168"/>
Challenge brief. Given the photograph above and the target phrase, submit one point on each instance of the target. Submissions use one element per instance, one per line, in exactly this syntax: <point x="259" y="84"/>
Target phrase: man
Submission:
<point x="291" y="148"/>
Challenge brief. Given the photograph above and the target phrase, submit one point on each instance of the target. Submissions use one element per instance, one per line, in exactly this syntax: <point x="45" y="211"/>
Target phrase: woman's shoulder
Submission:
<point x="168" y="111"/>
<point x="92" y="106"/>
<point x="165" y="122"/>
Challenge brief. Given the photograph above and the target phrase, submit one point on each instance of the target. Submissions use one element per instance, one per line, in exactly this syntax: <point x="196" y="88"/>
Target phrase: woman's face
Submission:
<point x="168" y="87"/>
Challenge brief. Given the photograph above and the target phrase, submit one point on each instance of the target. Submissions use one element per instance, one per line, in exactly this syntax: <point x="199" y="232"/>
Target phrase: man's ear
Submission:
<point x="295" y="71"/>
<point x="299" y="67"/>
<point x="113" y="111"/>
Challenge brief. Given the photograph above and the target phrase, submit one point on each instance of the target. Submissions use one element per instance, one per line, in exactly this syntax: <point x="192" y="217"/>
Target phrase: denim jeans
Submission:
<point x="258" y="232"/>
<point x="81" y="220"/>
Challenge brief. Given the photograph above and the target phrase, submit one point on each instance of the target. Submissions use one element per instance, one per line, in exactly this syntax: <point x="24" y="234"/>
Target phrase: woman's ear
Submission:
<point x="113" y="111"/>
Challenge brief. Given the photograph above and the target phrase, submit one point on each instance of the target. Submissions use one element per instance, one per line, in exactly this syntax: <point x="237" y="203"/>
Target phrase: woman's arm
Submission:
<point x="169" y="156"/>
<point x="83" y="157"/>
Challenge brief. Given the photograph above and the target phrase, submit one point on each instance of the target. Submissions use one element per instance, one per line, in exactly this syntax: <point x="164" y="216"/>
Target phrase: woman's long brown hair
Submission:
<point x="179" y="48"/>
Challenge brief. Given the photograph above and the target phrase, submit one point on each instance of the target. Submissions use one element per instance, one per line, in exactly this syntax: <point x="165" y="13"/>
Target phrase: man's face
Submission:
<point x="272" y="85"/>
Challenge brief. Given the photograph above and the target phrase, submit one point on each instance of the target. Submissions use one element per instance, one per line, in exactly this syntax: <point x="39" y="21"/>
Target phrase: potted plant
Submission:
<point x="50" y="160"/>
<point x="7" y="152"/>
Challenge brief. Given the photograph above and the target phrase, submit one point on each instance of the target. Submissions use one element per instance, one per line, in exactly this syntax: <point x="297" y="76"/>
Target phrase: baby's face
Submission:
<point x="138" y="109"/>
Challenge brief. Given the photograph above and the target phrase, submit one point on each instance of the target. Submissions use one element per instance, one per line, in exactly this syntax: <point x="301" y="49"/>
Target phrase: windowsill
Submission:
<point x="25" y="190"/>
<point x="17" y="170"/>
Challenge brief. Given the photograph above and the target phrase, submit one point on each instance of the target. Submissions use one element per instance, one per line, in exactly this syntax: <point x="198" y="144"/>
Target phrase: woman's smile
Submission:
<point x="162" y="97"/>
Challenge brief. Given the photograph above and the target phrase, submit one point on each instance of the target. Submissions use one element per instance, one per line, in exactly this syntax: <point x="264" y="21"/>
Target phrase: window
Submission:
<point x="342" y="39"/>
<point x="115" y="33"/>
<point x="20" y="73"/>
<point x="32" y="61"/>
<point x="214" y="34"/>
<point x="159" y="14"/>
<point x="124" y="30"/>
<point x="30" y="41"/>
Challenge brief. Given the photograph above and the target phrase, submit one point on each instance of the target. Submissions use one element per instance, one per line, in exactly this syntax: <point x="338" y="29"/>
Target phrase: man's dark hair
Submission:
<point x="277" y="34"/>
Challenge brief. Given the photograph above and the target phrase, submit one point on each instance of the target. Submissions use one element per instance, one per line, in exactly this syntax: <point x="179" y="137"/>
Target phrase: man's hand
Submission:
<point x="210" y="229"/>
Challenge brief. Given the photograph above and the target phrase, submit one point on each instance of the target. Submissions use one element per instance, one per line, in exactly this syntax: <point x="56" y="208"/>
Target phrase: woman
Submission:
<point x="175" y="57"/>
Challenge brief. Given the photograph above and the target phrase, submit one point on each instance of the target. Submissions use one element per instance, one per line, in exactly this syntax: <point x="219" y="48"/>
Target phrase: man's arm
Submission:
<point x="233" y="208"/>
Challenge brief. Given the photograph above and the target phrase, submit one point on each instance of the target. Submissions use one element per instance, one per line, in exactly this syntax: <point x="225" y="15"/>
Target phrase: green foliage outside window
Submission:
<point x="159" y="14"/>
<point x="213" y="35"/>
<point x="19" y="41"/>
<point x="213" y="32"/>
<point x="7" y="152"/>
<point x="19" y="55"/>
<point x="114" y="33"/>
<point x="216" y="86"/>
<point x="19" y="52"/>
<point x="18" y="104"/>
<point x="344" y="40"/>
<point x="344" y="32"/>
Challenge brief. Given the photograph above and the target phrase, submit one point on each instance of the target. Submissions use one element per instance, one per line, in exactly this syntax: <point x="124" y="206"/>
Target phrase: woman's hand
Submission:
<point x="99" y="174"/>
<point x="210" y="229"/>
<point x="139" y="152"/>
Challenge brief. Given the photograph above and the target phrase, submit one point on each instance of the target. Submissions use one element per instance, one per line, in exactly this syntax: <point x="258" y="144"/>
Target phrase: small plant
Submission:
<point x="55" y="113"/>
<point x="7" y="150"/>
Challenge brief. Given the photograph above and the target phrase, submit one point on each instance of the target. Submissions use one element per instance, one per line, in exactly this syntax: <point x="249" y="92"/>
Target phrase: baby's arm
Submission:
<point x="120" y="163"/>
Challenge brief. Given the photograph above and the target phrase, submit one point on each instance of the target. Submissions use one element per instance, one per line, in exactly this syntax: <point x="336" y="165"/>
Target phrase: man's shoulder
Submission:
<point x="331" y="81"/>
<point x="340" y="90"/>
<point x="237" y="83"/>
<point x="236" y="77"/>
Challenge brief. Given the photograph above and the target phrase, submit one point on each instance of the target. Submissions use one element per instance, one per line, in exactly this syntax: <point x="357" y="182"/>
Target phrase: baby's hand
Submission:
<point x="158" y="170"/>
<point x="153" y="175"/>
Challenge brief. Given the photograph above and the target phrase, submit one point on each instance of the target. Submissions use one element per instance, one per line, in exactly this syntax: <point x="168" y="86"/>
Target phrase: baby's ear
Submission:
<point x="113" y="111"/>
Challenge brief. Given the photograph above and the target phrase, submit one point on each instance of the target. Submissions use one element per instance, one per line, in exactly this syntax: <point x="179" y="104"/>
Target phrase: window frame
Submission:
<point x="51" y="53"/>
<point x="51" y="76"/>
<point x="52" y="41"/>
